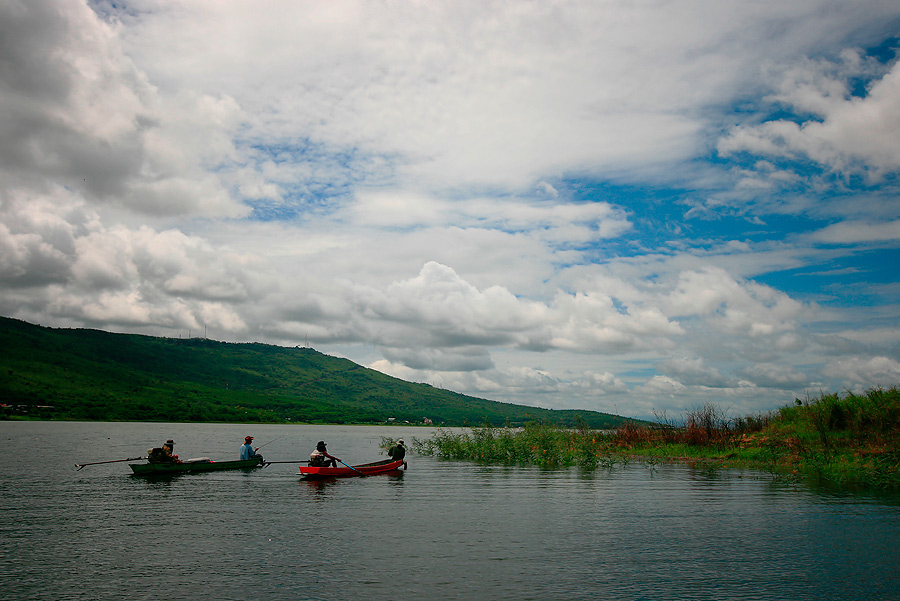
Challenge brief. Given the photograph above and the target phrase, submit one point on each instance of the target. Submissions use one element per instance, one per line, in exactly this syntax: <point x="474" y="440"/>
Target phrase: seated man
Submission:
<point x="248" y="451"/>
<point x="163" y="454"/>
<point x="321" y="458"/>
<point x="156" y="455"/>
<point x="398" y="451"/>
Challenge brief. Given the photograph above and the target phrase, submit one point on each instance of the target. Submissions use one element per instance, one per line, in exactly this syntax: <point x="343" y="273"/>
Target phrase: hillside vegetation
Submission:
<point x="82" y="374"/>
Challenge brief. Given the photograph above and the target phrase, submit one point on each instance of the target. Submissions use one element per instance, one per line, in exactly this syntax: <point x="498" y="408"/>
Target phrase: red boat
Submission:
<point x="367" y="469"/>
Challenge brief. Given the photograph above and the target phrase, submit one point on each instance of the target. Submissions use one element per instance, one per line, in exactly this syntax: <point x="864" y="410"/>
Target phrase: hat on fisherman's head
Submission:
<point x="248" y="438"/>
<point x="170" y="441"/>
<point x="400" y="441"/>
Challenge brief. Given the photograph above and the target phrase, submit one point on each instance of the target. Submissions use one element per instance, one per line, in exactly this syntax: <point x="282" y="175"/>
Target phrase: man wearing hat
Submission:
<point x="248" y="451"/>
<point x="321" y="458"/>
<point x="398" y="451"/>
<point x="169" y="449"/>
<point x="163" y="454"/>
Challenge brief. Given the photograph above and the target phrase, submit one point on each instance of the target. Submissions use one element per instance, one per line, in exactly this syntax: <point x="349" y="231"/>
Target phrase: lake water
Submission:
<point x="441" y="530"/>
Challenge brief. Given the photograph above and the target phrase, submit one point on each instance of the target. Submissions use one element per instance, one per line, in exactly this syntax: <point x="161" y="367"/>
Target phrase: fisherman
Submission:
<point x="169" y="449"/>
<point x="248" y="451"/>
<point x="321" y="458"/>
<point x="163" y="454"/>
<point x="398" y="451"/>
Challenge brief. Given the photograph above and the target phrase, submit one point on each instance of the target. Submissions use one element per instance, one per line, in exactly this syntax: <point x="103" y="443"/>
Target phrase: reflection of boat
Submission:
<point x="192" y="465"/>
<point x="367" y="469"/>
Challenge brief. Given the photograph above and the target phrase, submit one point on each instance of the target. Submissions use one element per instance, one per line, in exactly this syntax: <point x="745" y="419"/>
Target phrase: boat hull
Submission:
<point x="368" y="469"/>
<point x="146" y="469"/>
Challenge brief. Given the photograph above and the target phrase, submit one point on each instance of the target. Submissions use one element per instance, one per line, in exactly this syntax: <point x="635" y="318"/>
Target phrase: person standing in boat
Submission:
<point x="398" y="451"/>
<point x="321" y="458"/>
<point x="248" y="451"/>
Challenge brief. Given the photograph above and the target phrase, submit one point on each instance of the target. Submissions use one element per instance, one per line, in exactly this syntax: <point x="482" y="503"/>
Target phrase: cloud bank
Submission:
<point x="620" y="207"/>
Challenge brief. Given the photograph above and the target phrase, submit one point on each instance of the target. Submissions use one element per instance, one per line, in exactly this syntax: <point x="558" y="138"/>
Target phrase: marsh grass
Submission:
<point x="848" y="441"/>
<point x="534" y="444"/>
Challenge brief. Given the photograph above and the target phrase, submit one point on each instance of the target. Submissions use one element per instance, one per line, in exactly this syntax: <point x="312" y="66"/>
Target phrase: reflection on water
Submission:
<point x="320" y="484"/>
<point x="441" y="530"/>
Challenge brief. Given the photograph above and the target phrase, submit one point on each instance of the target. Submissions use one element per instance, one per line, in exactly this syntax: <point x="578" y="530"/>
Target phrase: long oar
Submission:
<point x="353" y="468"/>
<point x="268" y="463"/>
<point x="81" y="465"/>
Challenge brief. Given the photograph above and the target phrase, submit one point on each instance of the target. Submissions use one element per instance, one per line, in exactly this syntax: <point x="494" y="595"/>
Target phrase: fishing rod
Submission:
<point x="270" y="442"/>
<point x="81" y="465"/>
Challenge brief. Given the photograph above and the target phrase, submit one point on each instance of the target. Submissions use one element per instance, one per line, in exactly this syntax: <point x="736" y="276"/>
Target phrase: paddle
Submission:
<point x="81" y="465"/>
<point x="352" y="468"/>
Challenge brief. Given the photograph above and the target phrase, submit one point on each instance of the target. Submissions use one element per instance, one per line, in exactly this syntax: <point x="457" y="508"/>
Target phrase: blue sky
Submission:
<point x="627" y="207"/>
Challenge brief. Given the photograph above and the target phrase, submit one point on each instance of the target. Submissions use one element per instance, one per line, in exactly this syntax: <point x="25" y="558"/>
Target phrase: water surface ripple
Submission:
<point x="442" y="530"/>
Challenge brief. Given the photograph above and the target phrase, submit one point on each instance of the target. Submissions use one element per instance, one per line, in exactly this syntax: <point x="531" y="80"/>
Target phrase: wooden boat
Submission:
<point x="193" y="465"/>
<point x="367" y="469"/>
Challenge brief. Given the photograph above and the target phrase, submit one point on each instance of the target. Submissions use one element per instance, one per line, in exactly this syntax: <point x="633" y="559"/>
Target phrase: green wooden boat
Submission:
<point x="193" y="465"/>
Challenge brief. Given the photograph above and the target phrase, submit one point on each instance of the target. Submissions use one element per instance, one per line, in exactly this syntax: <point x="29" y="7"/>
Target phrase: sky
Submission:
<point x="635" y="207"/>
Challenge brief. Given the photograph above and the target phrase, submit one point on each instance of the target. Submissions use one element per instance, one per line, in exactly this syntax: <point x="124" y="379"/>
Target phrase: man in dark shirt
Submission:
<point x="398" y="451"/>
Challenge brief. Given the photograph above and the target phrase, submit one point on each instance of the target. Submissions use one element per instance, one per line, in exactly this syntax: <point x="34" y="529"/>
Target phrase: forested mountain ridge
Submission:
<point x="84" y="374"/>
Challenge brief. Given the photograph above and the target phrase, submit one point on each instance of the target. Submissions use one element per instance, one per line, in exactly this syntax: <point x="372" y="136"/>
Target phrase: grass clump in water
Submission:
<point x="534" y="444"/>
<point x="848" y="441"/>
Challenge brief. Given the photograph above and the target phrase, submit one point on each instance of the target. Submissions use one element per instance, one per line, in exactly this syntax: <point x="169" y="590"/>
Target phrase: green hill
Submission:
<point x="82" y="374"/>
